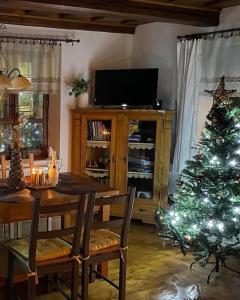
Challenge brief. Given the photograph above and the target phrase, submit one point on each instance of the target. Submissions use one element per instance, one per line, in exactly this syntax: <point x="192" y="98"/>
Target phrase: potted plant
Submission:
<point x="79" y="89"/>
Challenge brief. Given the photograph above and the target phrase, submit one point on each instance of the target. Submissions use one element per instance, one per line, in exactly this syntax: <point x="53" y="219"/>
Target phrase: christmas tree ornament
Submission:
<point x="210" y="199"/>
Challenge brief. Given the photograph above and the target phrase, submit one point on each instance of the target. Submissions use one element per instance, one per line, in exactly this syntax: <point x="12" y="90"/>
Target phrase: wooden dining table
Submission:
<point x="17" y="206"/>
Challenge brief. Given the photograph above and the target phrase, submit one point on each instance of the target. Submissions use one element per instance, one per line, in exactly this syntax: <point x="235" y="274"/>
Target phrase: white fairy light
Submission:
<point x="206" y="200"/>
<point x="237" y="151"/>
<point x="192" y="193"/>
<point x="171" y="213"/>
<point x="194" y="226"/>
<point x="187" y="237"/>
<point x="237" y="125"/>
<point x="214" y="160"/>
<point x="174" y="221"/>
<point x="220" y="226"/>
<point x="237" y="210"/>
<point x="210" y="223"/>
<point x="234" y="219"/>
<point x="233" y="163"/>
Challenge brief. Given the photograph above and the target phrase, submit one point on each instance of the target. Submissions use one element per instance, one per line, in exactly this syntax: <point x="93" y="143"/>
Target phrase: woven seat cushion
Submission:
<point x="46" y="249"/>
<point x="100" y="240"/>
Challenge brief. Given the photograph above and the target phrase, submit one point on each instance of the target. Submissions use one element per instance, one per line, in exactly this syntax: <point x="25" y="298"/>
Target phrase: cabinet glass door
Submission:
<point x="99" y="150"/>
<point x="141" y="156"/>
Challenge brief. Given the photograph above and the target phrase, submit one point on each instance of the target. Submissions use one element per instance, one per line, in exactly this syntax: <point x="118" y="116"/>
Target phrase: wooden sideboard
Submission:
<point x="125" y="147"/>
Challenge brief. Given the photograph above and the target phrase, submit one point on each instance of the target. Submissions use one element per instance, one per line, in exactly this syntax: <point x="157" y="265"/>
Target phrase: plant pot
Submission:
<point x="82" y="100"/>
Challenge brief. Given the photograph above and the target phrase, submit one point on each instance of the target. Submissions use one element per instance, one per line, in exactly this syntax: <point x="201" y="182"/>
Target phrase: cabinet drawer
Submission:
<point x="141" y="211"/>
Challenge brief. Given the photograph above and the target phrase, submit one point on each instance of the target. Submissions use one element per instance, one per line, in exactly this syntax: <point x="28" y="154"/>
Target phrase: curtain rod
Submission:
<point x="38" y="39"/>
<point x="205" y="34"/>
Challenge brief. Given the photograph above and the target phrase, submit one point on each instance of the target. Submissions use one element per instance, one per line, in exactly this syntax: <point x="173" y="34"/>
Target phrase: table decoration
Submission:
<point x="15" y="180"/>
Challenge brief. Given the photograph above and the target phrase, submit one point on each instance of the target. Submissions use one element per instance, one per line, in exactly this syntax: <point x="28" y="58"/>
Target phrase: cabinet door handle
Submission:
<point x="124" y="159"/>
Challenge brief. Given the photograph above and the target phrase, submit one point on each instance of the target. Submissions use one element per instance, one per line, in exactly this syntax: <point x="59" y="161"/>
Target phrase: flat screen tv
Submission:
<point x="134" y="87"/>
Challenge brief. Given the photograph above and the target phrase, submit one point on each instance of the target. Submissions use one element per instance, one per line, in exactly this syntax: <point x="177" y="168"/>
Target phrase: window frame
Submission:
<point x="13" y="118"/>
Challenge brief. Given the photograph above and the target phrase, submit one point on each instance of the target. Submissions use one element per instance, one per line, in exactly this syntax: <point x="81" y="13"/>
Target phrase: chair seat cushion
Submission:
<point x="100" y="240"/>
<point x="46" y="249"/>
<point x="103" y="239"/>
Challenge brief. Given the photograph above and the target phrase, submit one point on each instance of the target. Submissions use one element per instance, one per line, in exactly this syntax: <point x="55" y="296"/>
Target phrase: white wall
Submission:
<point x="155" y="45"/>
<point x="96" y="50"/>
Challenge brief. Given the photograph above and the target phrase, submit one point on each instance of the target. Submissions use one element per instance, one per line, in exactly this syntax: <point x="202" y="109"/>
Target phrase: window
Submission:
<point x="35" y="132"/>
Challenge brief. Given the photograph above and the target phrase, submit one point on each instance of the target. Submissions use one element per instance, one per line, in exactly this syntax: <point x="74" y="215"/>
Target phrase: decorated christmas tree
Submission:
<point x="205" y="215"/>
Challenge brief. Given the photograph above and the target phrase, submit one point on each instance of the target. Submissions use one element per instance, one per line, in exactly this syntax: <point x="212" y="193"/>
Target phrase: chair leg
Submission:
<point x="122" y="276"/>
<point x="75" y="281"/>
<point x="85" y="279"/>
<point x="10" y="275"/>
<point x="31" y="288"/>
<point x="92" y="275"/>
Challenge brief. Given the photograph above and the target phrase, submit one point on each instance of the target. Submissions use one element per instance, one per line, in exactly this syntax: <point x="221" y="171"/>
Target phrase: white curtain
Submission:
<point x="189" y="75"/>
<point x="220" y="56"/>
<point x="201" y="63"/>
<point x="40" y="62"/>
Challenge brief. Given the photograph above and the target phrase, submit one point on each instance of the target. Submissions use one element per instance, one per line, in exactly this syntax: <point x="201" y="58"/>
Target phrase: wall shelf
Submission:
<point x="97" y="173"/>
<point x="140" y="175"/>
<point x="141" y="146"/>
<point x="98" y="144"/>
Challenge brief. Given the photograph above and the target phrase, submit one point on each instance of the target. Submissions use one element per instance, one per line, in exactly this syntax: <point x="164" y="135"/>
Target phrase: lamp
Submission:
<point x="7" y="82"/>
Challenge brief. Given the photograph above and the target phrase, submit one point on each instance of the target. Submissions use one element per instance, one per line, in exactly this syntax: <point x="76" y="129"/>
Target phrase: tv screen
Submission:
<point x="134" y="87"/>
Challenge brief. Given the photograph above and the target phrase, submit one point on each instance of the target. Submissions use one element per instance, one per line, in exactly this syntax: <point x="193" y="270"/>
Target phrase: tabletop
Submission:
<point x="17" y="206"/>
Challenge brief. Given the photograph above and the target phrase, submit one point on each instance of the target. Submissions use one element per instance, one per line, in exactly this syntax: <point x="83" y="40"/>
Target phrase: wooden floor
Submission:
<point x="152" y="268"/>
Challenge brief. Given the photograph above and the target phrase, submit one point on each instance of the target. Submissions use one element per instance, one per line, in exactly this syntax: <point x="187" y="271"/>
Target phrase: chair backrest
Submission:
<point x="123" y="222"/>
<point x="82" y="201"/>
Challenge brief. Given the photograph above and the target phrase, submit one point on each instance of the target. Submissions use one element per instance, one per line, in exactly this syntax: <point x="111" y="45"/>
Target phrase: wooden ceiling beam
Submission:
<point x="161" y="11"/>
<point x="63" y="23"/>
<point x="221" y="3"/>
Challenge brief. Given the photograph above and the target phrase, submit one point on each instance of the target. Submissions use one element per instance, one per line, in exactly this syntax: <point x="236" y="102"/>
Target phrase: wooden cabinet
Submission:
<point x="125" y="147"/>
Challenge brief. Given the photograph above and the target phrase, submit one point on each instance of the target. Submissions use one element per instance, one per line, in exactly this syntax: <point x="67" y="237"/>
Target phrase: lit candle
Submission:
<point x="37" y="178"/>
<point x="33" y="177"/>
<point x="41" y="178"/>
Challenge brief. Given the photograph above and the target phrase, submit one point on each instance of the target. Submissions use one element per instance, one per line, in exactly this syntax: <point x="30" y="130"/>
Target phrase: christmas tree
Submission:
<point x="205" y="215"/>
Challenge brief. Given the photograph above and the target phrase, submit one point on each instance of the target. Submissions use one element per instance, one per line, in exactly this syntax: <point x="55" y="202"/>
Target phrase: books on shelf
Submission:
<point x="97" y="131"/>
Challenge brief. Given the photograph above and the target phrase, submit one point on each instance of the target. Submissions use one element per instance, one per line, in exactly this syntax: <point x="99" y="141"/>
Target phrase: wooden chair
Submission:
<point x="45" y="252"/>
<point x="100" y="244"/>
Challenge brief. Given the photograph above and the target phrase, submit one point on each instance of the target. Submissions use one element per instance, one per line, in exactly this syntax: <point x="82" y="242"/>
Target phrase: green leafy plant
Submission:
<point x="79" y="86"/>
